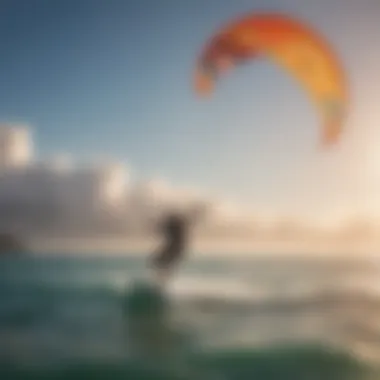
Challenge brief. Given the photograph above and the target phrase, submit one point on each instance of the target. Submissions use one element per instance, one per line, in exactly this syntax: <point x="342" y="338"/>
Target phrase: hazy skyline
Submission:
<point x="113" y="78"/>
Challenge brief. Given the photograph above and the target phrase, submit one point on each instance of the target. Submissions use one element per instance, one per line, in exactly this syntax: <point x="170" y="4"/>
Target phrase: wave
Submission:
<point x="282" y="362"/>
<point x="50" y="314"/>
<point x="216" y="296"/>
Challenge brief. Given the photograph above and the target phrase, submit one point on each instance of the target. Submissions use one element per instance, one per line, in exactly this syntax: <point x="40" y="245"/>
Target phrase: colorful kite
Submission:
<point x="294" y="46"/>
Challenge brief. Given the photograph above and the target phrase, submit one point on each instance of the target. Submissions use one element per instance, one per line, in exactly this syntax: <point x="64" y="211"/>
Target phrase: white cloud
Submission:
<point x="99" y="197"/>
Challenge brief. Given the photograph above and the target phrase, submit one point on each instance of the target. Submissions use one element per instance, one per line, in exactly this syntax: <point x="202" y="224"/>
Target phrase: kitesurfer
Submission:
<point x="175" y="228"/>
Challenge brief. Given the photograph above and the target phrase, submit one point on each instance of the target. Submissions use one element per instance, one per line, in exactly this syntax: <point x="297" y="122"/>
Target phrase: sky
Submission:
<point x="114" y="78"/>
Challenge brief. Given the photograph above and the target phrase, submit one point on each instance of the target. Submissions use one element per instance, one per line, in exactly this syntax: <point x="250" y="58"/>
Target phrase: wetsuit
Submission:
<point x="175" y="230"/>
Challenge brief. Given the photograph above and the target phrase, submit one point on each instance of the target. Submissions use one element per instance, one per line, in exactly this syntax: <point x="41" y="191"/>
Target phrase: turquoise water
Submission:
<point x="65" y="317"/>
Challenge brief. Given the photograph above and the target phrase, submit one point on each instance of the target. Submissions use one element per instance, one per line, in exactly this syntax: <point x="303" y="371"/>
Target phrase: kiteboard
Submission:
<point x="145" y="298"/>
<point x="147" y="320"/>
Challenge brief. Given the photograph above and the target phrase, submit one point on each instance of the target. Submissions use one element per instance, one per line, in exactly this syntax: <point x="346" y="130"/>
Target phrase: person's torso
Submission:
<point x="175" y="229"/>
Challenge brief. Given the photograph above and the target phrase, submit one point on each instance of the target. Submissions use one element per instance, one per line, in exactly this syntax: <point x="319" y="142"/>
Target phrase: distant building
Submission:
<point x="16" y="147"/>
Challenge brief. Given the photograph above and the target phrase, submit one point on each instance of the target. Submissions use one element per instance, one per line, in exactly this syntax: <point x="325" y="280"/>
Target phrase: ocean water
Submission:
<point x="263" y="317"/>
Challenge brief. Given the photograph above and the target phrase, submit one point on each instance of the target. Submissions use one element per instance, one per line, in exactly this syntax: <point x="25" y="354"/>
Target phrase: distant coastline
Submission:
<point x="10" y="244"/>
<point x="217" y="247"/>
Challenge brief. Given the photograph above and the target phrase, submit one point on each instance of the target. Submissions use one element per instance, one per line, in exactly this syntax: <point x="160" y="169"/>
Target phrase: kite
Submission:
<point x="301" y="51"/>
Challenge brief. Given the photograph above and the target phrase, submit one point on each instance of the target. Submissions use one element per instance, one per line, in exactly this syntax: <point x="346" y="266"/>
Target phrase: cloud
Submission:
<point x="56" y="196"/>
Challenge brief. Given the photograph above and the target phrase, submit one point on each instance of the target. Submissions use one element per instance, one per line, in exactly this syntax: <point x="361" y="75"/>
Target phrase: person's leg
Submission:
<point x="165" y="261"/>
<point x="165" y="264"/>
<point x="159" y="263"/>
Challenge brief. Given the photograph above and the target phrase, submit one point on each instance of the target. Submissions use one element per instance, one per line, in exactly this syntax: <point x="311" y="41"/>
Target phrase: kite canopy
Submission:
<point x="295" y="47"/>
